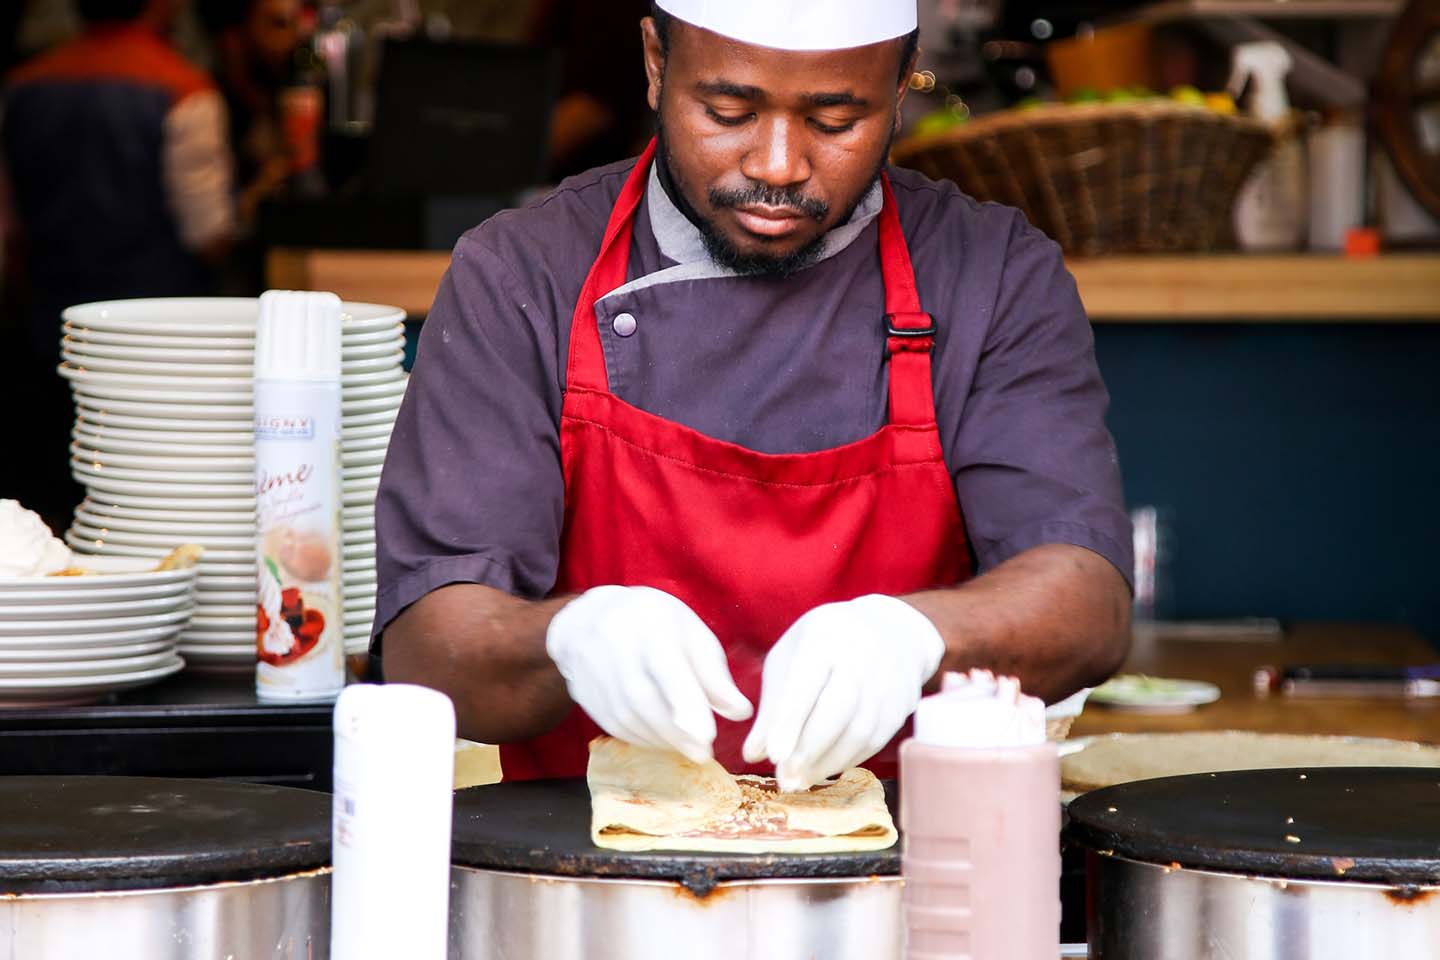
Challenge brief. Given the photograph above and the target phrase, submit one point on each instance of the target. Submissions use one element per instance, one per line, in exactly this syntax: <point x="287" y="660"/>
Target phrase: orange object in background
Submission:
<point x="1362" y="243"/>
<point x="1107" y="59"/>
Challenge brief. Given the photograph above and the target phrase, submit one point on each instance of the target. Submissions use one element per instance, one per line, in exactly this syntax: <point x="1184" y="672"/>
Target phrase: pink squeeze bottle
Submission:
<point x="980" y="811"/>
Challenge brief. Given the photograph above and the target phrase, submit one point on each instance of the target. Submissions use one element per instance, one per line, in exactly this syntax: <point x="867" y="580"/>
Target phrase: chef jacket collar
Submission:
<point x="680" y="240"/>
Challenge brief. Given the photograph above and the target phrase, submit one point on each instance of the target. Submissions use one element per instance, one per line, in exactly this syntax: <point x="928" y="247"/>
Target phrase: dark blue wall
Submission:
<point x="1299" y="464"/>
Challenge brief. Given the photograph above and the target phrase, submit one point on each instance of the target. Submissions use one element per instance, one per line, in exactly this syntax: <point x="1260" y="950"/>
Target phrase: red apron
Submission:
<point x="750" y="541"/>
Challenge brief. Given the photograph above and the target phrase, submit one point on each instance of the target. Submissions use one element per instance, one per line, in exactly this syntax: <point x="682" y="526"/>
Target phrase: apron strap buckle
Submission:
<point x="909" y="332"/>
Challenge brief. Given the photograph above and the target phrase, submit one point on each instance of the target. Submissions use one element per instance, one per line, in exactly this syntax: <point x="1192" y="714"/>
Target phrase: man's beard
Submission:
<point x="758" y="264"/>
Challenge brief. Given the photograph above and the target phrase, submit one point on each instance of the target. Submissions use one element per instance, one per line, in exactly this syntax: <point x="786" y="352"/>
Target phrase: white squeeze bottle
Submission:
<point x="299" y="619"/>
<point x="1270" y="213"/>
<point x="390" y="833"/>
<point x="980" y="813"/>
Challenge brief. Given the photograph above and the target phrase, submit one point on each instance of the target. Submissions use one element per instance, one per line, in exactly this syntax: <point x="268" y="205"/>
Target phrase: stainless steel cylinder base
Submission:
<point x="286" y="917"/>
<point x="1142" y="911"/>
<point x="518" y="916"/>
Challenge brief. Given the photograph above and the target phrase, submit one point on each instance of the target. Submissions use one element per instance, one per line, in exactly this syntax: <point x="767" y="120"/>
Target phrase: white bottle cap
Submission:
<point x="980" y="710"/>
<point x="297" y="336"/>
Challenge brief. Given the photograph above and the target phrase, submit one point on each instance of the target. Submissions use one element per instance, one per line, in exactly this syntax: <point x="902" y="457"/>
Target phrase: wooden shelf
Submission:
<point x="1227" y="289"/>
<point x="1266" y="289"/>
<point x="1171" y="10"/>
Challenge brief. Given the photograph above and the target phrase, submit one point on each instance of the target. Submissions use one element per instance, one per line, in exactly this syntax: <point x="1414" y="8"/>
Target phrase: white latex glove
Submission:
<point x="645" y="668"/>
<point x="839" y="684"/>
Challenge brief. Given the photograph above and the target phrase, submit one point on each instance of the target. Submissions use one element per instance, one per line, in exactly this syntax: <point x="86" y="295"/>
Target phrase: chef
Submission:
<point x="732" y="448"/>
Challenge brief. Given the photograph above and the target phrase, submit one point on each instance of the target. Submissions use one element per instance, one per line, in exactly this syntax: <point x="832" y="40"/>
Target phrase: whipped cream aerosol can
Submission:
<point x="299" y="616"/>
<point x="980" y="811"/>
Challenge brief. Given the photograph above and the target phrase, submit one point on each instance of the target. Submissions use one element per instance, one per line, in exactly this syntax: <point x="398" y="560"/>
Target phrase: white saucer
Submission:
<point x="165" y="513"/>
<point x="203" y="416"/>
<point x="377" y="387"/>
<point x="197" y="372"/>
<point x="163" y="387"/>
<point x="230" y="495"/>
<point x="50" y="628"/>
<point x="131" y="339"/>
<point x="168" y="462"/>
<point x="35" y="691"/>
<point x="99" y="419"/>
<point x="196" y="443"/>
<point x="171" y="316"/>
<point x="221" y="536"/>
<point x="28" y="652"/>
<point x="95" y="609"/>
<point x="110" y="573"/>
<point x="350" y="425"/>
<point x="103" y="664"/>
<point x="216" y="548"/>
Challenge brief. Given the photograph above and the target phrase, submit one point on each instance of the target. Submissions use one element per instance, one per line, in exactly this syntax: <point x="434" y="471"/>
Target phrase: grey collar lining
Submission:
<point x="680" y="240"/>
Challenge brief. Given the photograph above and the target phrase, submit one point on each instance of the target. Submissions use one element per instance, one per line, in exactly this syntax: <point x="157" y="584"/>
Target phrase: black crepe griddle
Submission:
<point x="1358" y="824"/>
<point x="543" y="826"/>
<point x="87" y="834"/>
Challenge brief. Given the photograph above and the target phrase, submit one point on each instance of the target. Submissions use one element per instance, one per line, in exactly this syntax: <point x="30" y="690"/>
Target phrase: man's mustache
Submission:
<point x="759" y="194"/>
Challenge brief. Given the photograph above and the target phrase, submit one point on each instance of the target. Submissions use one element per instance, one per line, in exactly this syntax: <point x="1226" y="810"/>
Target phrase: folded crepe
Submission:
<point x="647" y="799"/>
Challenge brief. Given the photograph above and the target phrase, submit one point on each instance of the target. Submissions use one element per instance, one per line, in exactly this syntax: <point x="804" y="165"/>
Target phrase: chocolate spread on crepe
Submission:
<point x="647" y="799"/>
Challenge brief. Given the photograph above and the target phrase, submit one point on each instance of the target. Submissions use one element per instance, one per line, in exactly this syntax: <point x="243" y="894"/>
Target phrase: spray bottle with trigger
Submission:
<point x="1271" y="210"/>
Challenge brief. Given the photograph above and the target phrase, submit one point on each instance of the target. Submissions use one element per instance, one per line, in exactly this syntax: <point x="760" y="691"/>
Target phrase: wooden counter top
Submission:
<point x="1190" y="289"/>
<point x="1231" y="664"/>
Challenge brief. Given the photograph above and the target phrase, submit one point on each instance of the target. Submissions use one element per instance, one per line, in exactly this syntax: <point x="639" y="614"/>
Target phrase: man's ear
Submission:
<point x="904" y="87"/>
<point x="654" y="61"/>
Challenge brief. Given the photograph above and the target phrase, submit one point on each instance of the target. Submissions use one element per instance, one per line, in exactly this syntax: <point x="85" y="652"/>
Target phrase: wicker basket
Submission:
<point x="1154" y="176"/>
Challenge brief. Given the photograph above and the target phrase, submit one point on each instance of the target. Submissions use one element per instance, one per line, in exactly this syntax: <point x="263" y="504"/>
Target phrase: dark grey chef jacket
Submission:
<point x="472" y="490"/>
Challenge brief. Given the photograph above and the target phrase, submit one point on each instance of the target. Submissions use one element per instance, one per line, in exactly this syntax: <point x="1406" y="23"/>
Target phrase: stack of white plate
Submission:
<point x="164" y="443"/>
<point x="75" y="639"/>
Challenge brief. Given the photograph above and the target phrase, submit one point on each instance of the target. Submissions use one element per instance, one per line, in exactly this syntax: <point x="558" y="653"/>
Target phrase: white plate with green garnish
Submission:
<point x="1137" y="691"/>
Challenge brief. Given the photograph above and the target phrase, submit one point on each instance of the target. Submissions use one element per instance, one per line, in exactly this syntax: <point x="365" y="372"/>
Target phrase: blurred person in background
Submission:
<point x="117" y="170"/>
<point x="255" y="44"/>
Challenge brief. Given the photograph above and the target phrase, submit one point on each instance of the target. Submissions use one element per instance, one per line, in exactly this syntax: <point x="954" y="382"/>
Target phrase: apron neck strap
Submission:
<point x="586" y="364"/>
<point x="909" y="331"/>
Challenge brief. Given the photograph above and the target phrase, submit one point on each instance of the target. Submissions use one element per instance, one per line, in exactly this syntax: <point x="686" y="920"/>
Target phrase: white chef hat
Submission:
<point x="799" y="24"/>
